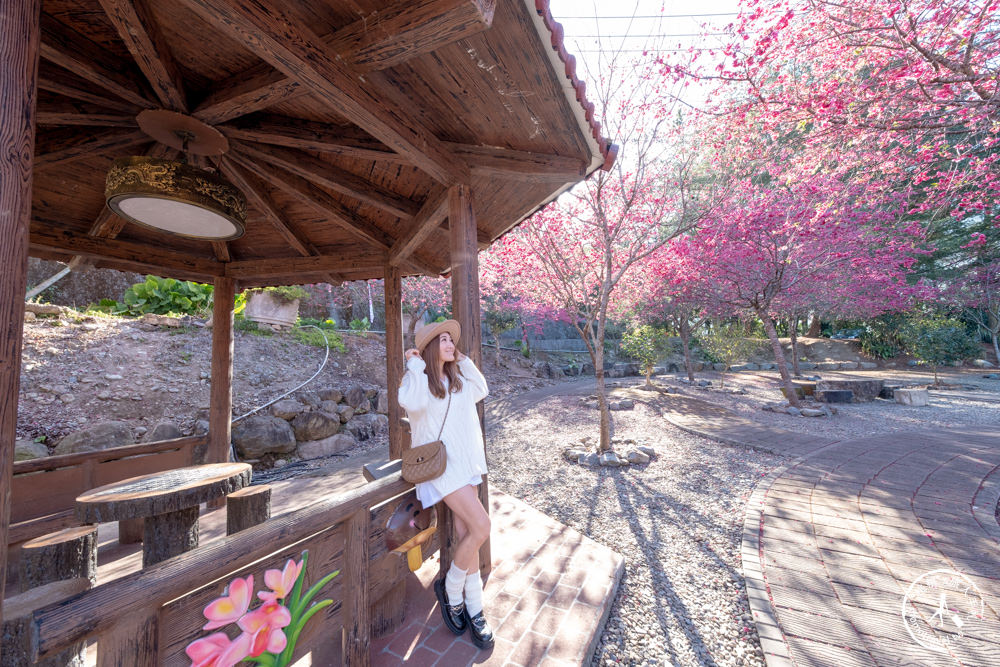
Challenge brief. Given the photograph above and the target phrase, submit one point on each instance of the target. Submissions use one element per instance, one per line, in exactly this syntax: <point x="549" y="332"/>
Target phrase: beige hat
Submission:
<point x="429" y="332"/>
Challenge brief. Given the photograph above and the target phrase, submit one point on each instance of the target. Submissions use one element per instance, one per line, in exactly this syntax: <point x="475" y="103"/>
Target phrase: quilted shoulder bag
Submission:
<point x="426" y="462"/>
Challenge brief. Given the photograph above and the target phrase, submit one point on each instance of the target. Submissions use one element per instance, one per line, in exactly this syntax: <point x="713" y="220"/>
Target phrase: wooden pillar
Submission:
<point x="19" y="48"/>
<point x="394" y="363"/>
<point x="221" y="410"/>
<point x="356" y="633"/>
<point x="465" y="308"/>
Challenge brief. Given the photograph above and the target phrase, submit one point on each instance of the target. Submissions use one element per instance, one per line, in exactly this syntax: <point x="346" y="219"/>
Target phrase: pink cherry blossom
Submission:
<point x="230" y="607"/>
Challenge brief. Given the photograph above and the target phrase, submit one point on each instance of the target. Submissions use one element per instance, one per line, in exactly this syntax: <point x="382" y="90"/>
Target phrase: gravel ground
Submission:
<point x="677" y="520"/>
<point x="972" y="400"/>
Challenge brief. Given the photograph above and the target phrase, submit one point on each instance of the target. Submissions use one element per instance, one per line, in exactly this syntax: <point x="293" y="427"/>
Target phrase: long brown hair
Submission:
<point x="432" y="356"/>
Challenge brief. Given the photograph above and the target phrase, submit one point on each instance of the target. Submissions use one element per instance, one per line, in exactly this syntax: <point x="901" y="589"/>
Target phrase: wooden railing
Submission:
<point x="149" y="617"/>
<point x="44" y="491"/>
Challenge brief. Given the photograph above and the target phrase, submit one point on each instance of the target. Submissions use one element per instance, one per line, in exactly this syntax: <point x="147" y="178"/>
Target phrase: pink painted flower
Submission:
<point x="280" y="582"/>
<point x="217" y="650"/>
<point x="264" y="627"/>
<point x="229" y="608"/>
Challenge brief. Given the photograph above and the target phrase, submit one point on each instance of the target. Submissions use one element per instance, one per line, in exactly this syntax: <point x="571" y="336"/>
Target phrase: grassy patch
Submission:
<point x="314" y="337"/>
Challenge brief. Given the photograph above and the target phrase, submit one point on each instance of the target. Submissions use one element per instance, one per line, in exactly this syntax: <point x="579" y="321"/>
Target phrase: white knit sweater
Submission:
<point x="462" y="435"/>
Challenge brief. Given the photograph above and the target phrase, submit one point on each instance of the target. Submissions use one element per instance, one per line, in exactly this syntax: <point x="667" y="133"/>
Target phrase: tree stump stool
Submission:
<point x="17" y="617"/>
<point x="247" y="507"/>
<point x="130" y="531"/>
<point x="70" y="553"/>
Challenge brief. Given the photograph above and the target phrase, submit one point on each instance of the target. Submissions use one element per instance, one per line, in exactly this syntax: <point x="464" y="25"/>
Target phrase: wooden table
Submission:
<point x="168" y="501"/>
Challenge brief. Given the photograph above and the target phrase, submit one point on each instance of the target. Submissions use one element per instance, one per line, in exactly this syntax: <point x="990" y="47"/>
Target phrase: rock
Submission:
<point x="382" y="402"/>
<point x="29" y="316"/>
<point x="141" y="431"/>
<point x="848" y="365"/>
<point x="609" y="459"/>
<point x="913" y="362"/>
<point x="592" y="460"/>
<point x="745" y="367"/>
<point x="287" y="408"/>
<point x="991" y="376"/>
<point x="867" y="365"/>
<point x="889" y="390"/>
<point x="647" y="450"/>
<point x="317" y="449"/>
<point x="863" y="389"/>
<point x="718" y="367"/>
<point x="806" y="366"/>
<point x="310" y="398"/>
<point x="278" y="463"/>
<point x="704" y="383"/>
<point x="165" y="430"/>
<point x="345" y="412"/>
<point x="354" y="397"/>
<point x="329" y="407"/>
<point x="982" y="363"/>
<point x="834" y="395"/>
<point x="314" y="426"/>
<point x="67" y="398"/>
<point x="573" y="454"/>
<point x="827" y="366"/>
<point x="363" y="427"/>
<point x="42" y="309"/>
<point x="794" y="411"/>
<point x="913" y="397"/>
<point x="161" y="320"/>
<point x="263" y="434"/>
<point x="331" y="394"/>
<point x="201" y="427"/>
<point x="96" y="438"/>
<point x="635" y="456"/>
<point x="113" y="376"/>
<point x="29" y="449"/>
<point x="812" y="412"/>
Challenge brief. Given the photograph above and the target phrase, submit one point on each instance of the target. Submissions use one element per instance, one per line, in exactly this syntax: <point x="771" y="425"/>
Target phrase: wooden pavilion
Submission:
<point x="371" y="139"/>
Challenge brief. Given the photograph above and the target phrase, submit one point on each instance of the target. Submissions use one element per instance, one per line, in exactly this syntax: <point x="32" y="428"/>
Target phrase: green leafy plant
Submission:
<point x="361" y="326"/>
<point x="164" y="296"/>
<point x="728" y="344"/>
<point x="284" y="293"/>
<point x="250" y="327"/>
<point x="882" y="337"/>
<point x="310" y="336"/>
<point x="938" y="341"/>
<point x="644" y="343"/>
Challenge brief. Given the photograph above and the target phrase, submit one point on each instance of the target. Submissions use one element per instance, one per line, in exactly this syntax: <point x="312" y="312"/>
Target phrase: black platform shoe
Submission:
<point x="454" y="615"/>
<point x="479" y="628"/>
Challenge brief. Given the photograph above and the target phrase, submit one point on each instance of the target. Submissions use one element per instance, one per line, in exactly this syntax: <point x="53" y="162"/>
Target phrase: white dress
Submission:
<point x="462" y="434"/>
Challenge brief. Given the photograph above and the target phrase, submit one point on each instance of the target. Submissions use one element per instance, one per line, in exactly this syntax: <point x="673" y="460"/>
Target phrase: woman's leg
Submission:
<point x="465" y="505"/>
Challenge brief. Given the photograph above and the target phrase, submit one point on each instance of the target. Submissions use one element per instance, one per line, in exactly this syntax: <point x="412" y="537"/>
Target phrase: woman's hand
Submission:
<point x="411" y="353"/>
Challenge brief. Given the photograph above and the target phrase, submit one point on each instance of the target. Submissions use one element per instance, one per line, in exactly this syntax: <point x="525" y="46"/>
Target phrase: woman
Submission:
<point x="436" y="370"/>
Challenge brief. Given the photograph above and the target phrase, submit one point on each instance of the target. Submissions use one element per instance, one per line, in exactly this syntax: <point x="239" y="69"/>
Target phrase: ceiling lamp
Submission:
<point x="174" y="196"/>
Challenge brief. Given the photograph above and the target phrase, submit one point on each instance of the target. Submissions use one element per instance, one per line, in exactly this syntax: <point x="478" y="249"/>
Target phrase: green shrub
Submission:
<point x="643" y="343"/>
<point x="310" y="336"/>
<point x="106" y="307"/>
<point x="361" y="325"/>
<point x="284" y="293"/>
<point x="165" y="296"/>
<point x="241" y="323"/>
<point x="728" y="344"/>
<point x="938" y="341"/>
<point x="882" y="337"/>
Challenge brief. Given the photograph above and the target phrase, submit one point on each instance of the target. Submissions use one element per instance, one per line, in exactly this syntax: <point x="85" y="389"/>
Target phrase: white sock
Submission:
<point x="454" y="581"/>
<point x="474" y="593"/>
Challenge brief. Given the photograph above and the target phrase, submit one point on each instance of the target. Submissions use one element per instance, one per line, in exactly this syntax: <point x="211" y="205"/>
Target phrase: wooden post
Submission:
<point x="394" y="356"/>
<point x="220" y="416"/>
<point x="356" y="639"/>
<point x="19" y="48"/>
<point x="465" y="309"/>
<point x="134" y="642"/>
<point x="248" y="507"/>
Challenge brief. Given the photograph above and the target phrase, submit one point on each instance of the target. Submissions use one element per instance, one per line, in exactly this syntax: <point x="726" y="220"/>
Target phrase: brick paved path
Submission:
<point x="833" y="541"/>
<point x="548" y="598"/>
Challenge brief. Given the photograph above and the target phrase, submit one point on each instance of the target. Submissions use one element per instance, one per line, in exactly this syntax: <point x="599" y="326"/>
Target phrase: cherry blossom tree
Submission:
<point x="421" y="294"/>
<point x="786" y="246"/>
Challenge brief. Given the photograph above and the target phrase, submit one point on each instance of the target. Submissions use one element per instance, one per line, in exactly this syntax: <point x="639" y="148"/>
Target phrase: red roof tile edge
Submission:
<point x="608" y="149"/>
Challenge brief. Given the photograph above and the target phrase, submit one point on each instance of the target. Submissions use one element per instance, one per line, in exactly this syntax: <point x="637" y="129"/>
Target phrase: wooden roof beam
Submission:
<point x="69" y="49"/>
<point x="287" y="43"/>
<point x="57" y="118"/>
<point x="333" y="178"/>
<point x="348" y="260"/>
<point x="378" y="40"/>
<point x="67" y="149"/>
<point x="57" y="80"/>
<point x="145" y="42"/>
<point x="520" y="165"/>
<point x="313" y="136"/>
<point x="430" y="217"/>
<point x="114" y="250"/>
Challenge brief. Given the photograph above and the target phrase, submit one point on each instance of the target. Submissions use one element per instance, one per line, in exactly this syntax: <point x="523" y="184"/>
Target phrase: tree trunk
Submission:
<point x="814" y="327"/>
<point x="602" y="402"/>
<point x="793" y="333"/>
<point x="497" y="339"/>
<point x="779" y="356"/>
<point x="649" y="371"/>
<point x="996" y="347"/>
<point x="685" y="332"/>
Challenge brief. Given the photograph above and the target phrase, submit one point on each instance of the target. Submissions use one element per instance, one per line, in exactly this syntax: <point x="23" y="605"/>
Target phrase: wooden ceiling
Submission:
<point x="348" y="121"/>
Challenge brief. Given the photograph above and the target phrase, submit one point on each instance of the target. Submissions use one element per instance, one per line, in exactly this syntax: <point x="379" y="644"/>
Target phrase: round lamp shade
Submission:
<point x="176" y="198"/>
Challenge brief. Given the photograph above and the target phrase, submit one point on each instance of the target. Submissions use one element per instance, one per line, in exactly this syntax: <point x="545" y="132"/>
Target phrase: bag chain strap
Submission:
<point x="445" y="416"/>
